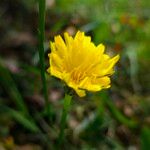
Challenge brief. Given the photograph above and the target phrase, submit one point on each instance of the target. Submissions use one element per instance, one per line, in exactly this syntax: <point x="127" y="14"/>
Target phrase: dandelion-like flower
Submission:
<point x="82" y="65"/>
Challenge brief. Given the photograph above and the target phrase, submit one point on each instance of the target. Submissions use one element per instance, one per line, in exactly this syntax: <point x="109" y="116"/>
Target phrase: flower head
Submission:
<point x="81" y="64"/>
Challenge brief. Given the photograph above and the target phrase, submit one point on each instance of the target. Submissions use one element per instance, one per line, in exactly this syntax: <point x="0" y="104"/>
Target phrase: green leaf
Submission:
<point x="28" y="123"/>
<point x="145" y="138"/>
<point x="8" y="83"/>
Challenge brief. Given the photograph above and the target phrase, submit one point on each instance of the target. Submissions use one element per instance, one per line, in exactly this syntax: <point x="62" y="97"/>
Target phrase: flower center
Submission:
<point x="77" y="76"/>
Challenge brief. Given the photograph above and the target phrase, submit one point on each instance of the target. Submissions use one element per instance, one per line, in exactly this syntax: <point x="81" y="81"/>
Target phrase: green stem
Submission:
<point x="66" y="106"/>
<point x="41" y="34"/>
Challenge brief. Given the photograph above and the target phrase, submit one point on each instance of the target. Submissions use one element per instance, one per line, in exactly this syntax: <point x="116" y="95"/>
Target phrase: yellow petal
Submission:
<point x="101" y="48"/>
<point x="60" y="46"/>
<point x="68" y="39"/>
<point x="113" y="61"/>
<point x="54" y="72"/>
<point x="56" y="61"/>
<point x="103" y="81"/>
<point x="79" y="35"/>
<point x="87" y="84"/>
<point x="81" y="93"/>
<point x="52" y="46"/>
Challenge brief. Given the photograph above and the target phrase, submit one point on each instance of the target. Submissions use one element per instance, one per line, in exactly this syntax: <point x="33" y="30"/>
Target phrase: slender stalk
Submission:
<point x="66" y="106"/>
<point x="41" y="34"/>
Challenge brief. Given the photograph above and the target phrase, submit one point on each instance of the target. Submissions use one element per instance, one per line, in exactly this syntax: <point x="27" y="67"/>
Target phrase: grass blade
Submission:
<point x="10" y="87"/>
<point x="41" y="34"/>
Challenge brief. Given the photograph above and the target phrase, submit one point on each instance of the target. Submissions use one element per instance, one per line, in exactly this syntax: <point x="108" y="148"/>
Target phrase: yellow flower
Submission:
<point x="81" y="64"/>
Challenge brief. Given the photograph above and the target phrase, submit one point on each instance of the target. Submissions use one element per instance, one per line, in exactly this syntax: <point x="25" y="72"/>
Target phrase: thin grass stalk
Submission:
<point x="66" y="107"/>
<point x="41" y="35"/>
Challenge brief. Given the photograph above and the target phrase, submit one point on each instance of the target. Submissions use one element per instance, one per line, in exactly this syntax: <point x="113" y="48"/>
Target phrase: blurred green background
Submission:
<point x="118" y="118"/>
